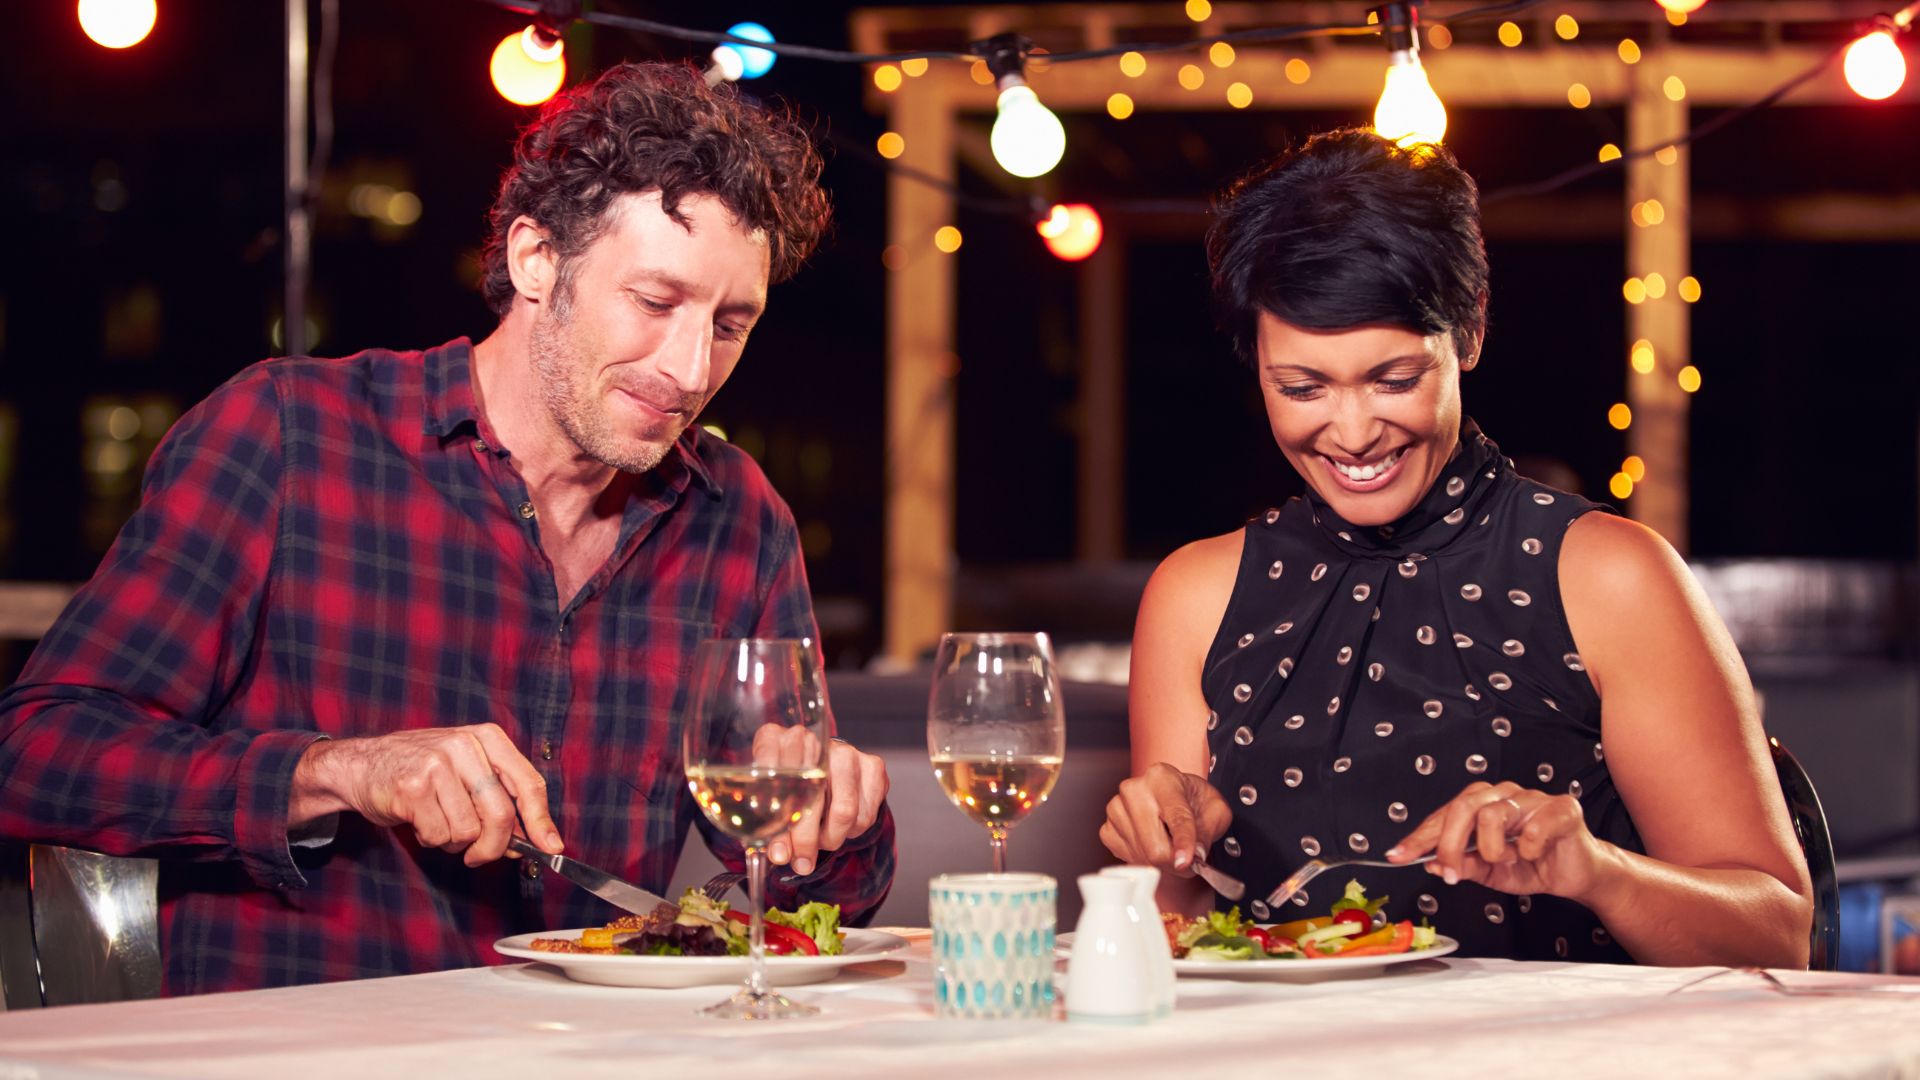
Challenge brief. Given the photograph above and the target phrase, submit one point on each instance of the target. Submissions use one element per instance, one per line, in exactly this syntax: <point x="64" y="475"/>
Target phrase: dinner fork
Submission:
<point x="1313" y="868"/>
<point x="721" y="884"/>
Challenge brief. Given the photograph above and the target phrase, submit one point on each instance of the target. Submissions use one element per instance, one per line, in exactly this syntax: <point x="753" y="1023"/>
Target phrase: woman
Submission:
<point x="1429" y="651"/>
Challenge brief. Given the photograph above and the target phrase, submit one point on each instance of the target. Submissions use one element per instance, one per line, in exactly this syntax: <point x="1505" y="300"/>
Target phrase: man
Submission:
<point x="375" y="614"/>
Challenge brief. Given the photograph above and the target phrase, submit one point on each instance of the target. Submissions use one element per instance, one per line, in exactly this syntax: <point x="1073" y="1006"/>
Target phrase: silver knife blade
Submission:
<point x="1225" y="884"/>
<point x="620" y="894"/>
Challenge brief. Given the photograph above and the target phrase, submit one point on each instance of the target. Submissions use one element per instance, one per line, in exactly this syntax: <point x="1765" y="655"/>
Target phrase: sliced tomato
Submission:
<point x="1402" y="941"/>
<point x="1355" y="916"/>
<point x="1265" y="939"/>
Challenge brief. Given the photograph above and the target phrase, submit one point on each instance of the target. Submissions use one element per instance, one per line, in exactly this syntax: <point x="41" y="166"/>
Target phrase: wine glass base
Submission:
<point x="766" y="1005"/>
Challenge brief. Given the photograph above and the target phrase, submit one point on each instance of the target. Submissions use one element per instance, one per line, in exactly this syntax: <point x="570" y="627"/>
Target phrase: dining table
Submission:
<point x="1440" y="1017"/>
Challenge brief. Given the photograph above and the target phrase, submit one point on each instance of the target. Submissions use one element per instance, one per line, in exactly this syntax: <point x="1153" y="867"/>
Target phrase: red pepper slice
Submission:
<point x="779" y="940"/>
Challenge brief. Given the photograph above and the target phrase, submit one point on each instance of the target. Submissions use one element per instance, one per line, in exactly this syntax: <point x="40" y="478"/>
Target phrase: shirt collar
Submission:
<point x="1439" y="517"/>
<point x="450" y="406"/>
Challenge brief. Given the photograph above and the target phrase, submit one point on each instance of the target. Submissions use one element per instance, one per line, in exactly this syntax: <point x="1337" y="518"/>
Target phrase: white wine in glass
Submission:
<point x="996" y="729"/>
<point x="754" y="750"/>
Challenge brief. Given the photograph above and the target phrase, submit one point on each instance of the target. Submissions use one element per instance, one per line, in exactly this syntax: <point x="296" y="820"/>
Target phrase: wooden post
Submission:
<point x="1659" y="430"/>
<point x="921" y="366"/>
<point x="1103" y="402"/>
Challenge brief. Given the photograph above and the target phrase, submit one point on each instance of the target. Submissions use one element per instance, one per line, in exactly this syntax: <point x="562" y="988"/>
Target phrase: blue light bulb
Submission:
<point x="754" y="62"/>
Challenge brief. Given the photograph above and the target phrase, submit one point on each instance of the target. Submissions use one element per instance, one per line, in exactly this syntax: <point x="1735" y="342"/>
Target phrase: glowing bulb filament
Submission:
<point x="1409" y="112"/>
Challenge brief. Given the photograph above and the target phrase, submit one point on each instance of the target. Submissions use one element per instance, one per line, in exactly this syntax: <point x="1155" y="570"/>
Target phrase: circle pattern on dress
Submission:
<point x="1519" y="597"/>
<point x="1333" y="706"/>
<point x="1432" y="708"/>
<point x="1260" y="910"/>
<point x="1319" y="571"/>
<point x="1245" y="640"/>
<point x="1543" y="498"/>
<point x="1472" y="692"/>
<point x="1513" y="647"/>
<point x="1573" y="661"/>
<point x="1292" y="777"/>
<point x="1230" y="846"/>
<point x="1573" y="788"/>
<point x="1286" y="667"/>
<point x="1455" y="486"/>
<point x="1376" y="671"/>
<point x="1283" y="628"/>
<point x="1502" y="726"/>
<point x="1469" y="591"/>
<point x="1427" y="904"/>
<point x="1462" y="641"/>
<point x="1362" y="591"/>
<point x="1544" y="772"/>
<point x="1499" y="681"/>
<point x="1531" y="545"/>
<point x="1495" y="914"/>
<point x="1300" y="898"/>
<point x="1342" y="764"/>
<point x="1408" y="568"/>
<point x="1344" y="655"/>
<point x="1425" y="635"/>
<point x="1248" y="794"/>
<point x="1243" y="735"/>
<point x="1383" y="729"/>
<point x="1273" y="572"/>
<point x="1458" y="515"/>
<point x="1309" y="845"/>
<point x="1213" y="719"/>
<point x="1243" y="693"/>
<point x="1476" y="764"/>
<point x="1397" y="812"/>
<point x="1273" y="516"/>
<point x="1358" y="843"/>
<point x="1294" y="722"/>
<point x="1423" y="764"/>
<point x="1601" y="937"/>
<point x="1524" y="903"/>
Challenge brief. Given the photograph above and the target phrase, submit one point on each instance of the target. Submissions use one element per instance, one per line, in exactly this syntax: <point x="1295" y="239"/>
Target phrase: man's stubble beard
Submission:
<point x="585" y="423"/>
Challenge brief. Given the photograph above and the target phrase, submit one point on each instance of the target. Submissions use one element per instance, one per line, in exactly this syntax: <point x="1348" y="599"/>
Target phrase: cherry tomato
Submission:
<point x="1356" y="916"/>
<point x="779" y="940"/>
<point x="1265" y="939"/>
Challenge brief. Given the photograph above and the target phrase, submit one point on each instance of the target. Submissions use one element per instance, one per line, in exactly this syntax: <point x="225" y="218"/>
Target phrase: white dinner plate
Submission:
<point x="1293" y="969"/>
<point x="668" y="972"/>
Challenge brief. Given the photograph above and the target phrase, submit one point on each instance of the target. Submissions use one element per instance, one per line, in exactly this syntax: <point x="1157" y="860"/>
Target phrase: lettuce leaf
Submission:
<point x="819" y="921"/>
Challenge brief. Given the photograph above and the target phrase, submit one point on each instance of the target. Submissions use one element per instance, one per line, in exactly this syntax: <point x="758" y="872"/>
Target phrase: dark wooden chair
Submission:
<point x="1810" y="827"/>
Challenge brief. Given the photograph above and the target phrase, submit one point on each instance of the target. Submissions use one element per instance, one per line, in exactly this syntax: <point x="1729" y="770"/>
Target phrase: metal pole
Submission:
<point x="299" y="227"/>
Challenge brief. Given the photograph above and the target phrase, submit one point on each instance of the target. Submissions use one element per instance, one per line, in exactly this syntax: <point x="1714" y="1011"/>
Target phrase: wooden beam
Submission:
<point x="920" y="368"/>
<point x="1103" y="402"/>
<point x="1659" y="430"/>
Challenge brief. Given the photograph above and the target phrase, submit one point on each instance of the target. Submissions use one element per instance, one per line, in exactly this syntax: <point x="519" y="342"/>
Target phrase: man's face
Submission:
<point x="645" y="326"/>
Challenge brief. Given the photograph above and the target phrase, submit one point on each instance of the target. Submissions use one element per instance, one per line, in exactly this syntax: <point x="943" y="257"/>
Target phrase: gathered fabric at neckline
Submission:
<point x="1439" y="519"/>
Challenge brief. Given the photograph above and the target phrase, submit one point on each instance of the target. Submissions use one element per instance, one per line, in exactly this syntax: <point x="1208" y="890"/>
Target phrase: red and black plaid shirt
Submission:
<point x="340" y="548"/>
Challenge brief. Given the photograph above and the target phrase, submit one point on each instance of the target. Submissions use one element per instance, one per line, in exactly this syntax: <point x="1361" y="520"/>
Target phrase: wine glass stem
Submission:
<point x="998" y="838"/>
<point x="756" y="938"/>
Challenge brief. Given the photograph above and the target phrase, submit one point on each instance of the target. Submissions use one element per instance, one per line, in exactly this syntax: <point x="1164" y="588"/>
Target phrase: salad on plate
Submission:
<point x="698" y="926"/>
<point x="1355" y="926"/>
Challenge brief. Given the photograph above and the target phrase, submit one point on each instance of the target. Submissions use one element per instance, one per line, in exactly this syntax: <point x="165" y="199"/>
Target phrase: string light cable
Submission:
<point x="1897" y="23"/>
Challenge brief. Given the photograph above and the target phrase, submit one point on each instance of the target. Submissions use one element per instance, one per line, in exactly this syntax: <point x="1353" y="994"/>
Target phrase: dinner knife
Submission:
<point x="620" y="894"/>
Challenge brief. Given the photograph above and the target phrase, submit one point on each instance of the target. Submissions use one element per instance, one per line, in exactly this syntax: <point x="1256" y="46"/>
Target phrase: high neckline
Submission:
<point x="1442" y="515"/>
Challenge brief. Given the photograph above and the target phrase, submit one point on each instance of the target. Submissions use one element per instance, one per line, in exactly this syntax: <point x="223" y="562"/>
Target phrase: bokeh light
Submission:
<point x="1874" y="66"/>
<point x="753" y="62"/>
<point x="524" y="72"/>
<point x="1071" y="231"/>
<point x="1119" y="106"/>
<point x="1620" y="416"/>
<point x="1133" y="64"/>
<point x="890" y="144"/>
<point x="947" y="239"/>
<point x="1689" y="378"/>
<point x="118" y="24"/>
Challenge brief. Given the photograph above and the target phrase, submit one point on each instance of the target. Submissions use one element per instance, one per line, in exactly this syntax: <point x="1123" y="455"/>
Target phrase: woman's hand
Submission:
<point x="1162" y="816"/>
<point x="1551" y="851"/>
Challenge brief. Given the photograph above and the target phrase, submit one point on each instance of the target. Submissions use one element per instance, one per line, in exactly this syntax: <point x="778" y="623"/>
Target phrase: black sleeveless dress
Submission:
<point x="1364" y="675"/>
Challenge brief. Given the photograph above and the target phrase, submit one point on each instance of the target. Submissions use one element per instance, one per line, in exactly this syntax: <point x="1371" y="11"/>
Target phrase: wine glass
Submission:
<point x="755" y="751"/>
<point x="996" y="731"/>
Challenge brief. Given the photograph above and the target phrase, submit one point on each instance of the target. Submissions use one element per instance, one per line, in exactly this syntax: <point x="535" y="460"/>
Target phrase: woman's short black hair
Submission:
<point x="1350" y="229"/>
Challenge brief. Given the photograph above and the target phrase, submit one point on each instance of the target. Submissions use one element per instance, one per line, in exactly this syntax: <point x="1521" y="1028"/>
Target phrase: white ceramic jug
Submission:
<point x="1153" y="933"/>
<point x="1109" y="978"/>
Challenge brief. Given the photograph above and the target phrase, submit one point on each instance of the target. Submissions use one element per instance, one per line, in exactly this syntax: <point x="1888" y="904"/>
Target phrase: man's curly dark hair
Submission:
<point x="656" y="127"/>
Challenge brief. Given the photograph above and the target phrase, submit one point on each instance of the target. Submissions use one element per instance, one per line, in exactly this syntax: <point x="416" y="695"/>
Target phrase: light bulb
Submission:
<point x="753" y="62"/>
<point x="727" y="65"/>
<point x="1027" y="138"/>
<point x="1683" y="7"/>
<point x="117" y="24"/>
<point x="526" y="70"/>
<point x="1409" y="112"/>
<point x="1875" y="67"/>
<point x="1071" y="231"/>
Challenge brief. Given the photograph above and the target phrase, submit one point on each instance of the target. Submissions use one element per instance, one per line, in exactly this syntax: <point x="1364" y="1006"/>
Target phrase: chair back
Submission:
<point x="1810" y="827"/>
<point x="77" y="927"/>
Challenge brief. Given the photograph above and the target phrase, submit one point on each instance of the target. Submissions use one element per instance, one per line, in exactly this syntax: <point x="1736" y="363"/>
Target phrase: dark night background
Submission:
<point x="142" y="202"/>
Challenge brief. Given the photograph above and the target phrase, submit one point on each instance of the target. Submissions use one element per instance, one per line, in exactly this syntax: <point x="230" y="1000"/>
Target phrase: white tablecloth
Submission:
<point x="1447" y="1017"/>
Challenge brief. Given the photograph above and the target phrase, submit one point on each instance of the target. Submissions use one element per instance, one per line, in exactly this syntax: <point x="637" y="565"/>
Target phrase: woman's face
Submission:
<point x="1369" y="416"/>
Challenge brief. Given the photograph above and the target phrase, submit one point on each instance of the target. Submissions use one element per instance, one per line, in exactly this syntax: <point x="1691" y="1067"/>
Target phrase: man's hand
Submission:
<point x="456" y="787"/>
<point x="856" y="786"/>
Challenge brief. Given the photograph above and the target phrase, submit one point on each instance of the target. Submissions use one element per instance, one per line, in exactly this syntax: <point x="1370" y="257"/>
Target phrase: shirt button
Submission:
<point x="530" y="868"/>
<point x="546" y="749"/>
<point x="526" y="509"/>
